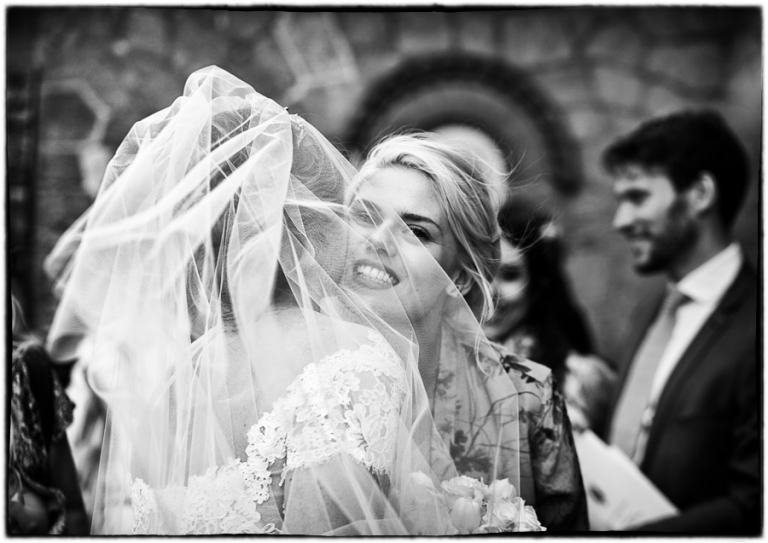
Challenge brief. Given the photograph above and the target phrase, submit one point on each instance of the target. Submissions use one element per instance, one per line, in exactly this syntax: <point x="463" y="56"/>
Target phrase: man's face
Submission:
<point x="653" y="217"/>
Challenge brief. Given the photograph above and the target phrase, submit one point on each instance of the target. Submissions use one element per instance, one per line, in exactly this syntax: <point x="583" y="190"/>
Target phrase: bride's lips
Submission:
<point x="375" y="275"/>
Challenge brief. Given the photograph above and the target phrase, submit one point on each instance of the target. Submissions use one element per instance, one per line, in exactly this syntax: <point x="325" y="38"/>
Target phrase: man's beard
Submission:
<point x="679" y="234"/>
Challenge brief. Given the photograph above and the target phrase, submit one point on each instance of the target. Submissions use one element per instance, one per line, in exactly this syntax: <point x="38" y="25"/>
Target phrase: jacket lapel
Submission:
<point x="710" y="332"/>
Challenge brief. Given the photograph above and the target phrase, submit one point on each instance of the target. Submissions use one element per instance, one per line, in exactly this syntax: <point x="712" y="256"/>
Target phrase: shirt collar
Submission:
<point x="708" y="282"/>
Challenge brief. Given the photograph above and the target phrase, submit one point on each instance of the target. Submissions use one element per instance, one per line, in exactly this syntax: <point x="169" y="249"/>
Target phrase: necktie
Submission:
<point x="633" y="414"/>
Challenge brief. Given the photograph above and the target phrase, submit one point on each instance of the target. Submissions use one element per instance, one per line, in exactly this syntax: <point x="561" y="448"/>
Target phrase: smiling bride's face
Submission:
<point x="408" y="239"/>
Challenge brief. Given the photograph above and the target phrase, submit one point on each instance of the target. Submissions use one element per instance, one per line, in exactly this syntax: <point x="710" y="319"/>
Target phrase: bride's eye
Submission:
<point x="420" y="233"/>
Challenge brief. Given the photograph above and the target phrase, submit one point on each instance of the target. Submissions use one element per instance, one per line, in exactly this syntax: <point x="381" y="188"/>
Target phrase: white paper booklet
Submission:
<point x="619" y="495"/>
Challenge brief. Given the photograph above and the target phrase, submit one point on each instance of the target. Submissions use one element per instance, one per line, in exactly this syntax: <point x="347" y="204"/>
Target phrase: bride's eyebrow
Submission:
<point x="420" y="218"/>
<point x="375" y="210"/>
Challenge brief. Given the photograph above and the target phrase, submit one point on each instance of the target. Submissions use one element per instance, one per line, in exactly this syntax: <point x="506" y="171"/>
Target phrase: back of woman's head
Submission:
<point x="311" y="214"/>
<point x="465" y="197"/>
<point x="315" y="193"/>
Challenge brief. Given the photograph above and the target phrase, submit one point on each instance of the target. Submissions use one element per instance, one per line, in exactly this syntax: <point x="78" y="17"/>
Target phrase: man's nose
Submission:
<point x="623" y="218"/>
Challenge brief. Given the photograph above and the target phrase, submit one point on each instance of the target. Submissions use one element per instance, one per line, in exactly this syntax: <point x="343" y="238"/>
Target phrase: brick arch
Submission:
<point x="502" y="101"/>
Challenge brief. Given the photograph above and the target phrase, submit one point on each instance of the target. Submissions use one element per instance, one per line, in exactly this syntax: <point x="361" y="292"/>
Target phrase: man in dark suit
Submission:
<point x="688" y="407"/>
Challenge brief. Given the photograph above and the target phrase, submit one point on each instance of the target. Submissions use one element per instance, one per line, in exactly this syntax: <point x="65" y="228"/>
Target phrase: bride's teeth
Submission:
<point x="376" y="274"/>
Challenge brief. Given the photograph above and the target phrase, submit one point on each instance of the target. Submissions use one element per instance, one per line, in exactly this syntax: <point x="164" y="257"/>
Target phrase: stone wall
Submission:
<point x="602" y="70"/>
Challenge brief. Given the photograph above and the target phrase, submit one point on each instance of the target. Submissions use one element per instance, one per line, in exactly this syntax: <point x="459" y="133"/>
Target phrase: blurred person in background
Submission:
<point x="688" y="410"/>
<point x="86" y="432"/>
<point x="588" y="388"/>
<point x="537" y="317"/>
<point x="43" y="493"/>
<point x="89" y="416"/>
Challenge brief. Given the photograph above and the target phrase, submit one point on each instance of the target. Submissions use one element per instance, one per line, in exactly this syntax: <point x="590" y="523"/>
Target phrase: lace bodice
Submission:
<point x="347" y="403"/>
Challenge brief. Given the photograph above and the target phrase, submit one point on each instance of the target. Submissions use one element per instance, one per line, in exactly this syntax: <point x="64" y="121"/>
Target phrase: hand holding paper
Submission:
<point x="619" y="495"/>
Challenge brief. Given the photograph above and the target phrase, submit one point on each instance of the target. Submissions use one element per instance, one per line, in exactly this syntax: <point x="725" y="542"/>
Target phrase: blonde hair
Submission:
<point x="465" y="196"/>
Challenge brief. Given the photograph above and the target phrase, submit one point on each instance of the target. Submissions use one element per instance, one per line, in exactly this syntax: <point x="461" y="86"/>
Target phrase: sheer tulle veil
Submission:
<point x="216" y="273"/>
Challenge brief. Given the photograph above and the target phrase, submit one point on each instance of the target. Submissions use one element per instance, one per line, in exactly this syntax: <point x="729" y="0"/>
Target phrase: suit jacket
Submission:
<point x="703" y="449"/>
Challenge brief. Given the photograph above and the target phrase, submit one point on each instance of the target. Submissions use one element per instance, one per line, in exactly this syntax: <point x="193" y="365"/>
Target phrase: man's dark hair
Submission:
<point x="683" y="146"/>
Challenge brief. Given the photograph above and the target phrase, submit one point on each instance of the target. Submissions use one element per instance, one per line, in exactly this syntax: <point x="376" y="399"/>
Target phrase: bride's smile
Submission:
<point x="371" y="274"/>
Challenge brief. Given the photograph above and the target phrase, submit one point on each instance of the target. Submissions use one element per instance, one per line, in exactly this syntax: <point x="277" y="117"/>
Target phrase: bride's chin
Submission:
<point x="385" y="302"/>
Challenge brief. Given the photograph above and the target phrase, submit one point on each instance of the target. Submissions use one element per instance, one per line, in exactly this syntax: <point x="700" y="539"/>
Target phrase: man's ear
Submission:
<point x="702" y="194"/>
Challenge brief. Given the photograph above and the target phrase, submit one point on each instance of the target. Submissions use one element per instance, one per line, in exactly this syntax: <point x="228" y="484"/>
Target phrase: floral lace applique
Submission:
<point x="220" y="502"/>
<point x="346" y="403"/>
<point x="217" y="502"/>
<point x="266" y="444"/>
<point x="144" y="505"/>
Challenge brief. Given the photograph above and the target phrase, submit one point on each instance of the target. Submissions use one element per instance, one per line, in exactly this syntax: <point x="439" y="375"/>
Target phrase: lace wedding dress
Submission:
<point x="347" y="403"/>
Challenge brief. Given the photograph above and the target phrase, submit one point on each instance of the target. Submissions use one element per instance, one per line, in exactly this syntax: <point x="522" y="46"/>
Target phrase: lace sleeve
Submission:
<point x="349" y="403"/>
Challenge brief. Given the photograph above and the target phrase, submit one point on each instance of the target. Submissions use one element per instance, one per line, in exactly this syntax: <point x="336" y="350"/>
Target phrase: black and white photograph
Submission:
<point x="407" y="269"/>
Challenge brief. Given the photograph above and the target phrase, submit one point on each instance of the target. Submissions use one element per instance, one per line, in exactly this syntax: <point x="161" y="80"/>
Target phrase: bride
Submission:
<point x="436" y="190"/>
<point x="267" y="367"/>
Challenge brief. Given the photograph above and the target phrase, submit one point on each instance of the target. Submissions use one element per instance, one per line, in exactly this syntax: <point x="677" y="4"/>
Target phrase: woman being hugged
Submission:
<point x="438" y="191"/>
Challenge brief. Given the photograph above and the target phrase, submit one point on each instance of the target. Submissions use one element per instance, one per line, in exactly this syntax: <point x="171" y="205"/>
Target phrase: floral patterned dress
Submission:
<point x="29" y="458"/>
<point x="550" y="476"/>
<point x="540" y="452"/>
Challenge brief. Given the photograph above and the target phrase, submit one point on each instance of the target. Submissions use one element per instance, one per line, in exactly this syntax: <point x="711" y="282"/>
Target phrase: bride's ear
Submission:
<point x="462" y="281"/>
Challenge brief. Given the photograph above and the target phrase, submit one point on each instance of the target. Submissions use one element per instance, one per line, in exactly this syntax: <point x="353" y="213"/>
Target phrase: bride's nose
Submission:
<point x="382" y="240"/>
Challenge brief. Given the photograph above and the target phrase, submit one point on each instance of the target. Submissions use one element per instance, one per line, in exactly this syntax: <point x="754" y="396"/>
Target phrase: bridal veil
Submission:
<point x="250" y="385"/>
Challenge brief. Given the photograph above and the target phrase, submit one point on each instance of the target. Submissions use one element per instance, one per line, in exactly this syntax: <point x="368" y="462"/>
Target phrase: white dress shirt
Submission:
<point x="705" y="287"/>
